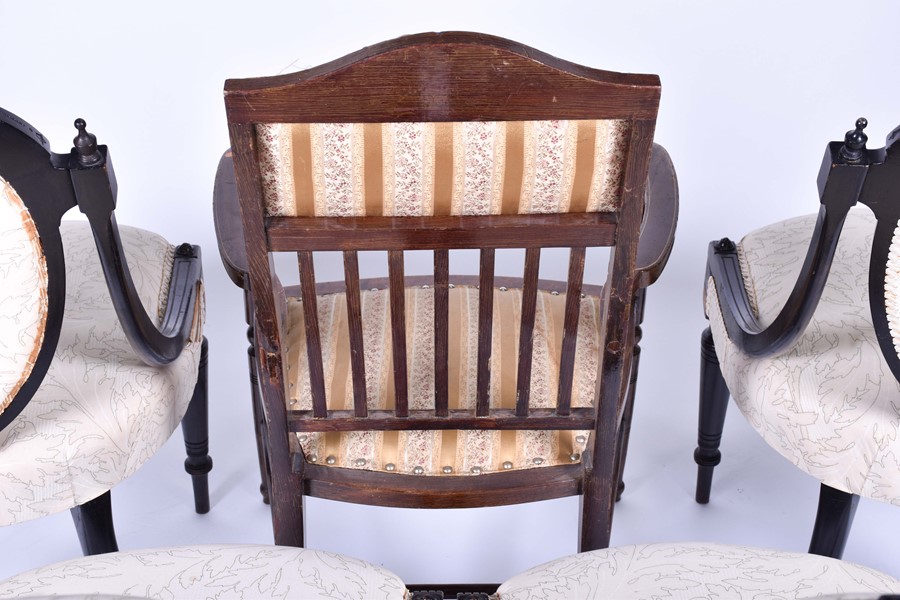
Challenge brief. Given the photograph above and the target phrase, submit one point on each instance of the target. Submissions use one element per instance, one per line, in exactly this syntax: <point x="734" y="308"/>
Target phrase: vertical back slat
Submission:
<point x="570" y="331"/>
<point x="398" y="330"/>
<point x="441" y="332"/>
<point x="354" y="322"/>
<point x="485" y="329"/>
<point x="313" y="340"/>
<point x="526" y="332"/>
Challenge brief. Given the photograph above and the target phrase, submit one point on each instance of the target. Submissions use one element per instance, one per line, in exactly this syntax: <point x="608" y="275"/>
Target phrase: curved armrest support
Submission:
<point x="227" y="219"/>
<point x="840" y="189"/>
<point x="95" y="191"/>
<point x="660" y="218"/>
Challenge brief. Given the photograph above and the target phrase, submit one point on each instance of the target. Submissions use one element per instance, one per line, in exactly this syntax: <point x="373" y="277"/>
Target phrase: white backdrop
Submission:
<point x="752" y="91"/>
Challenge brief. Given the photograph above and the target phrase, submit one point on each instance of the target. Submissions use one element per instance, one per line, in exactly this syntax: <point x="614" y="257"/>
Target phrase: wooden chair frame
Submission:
<point x="443" y="77"/>
<point x="849" y="174"/>
<point x="51" y="184"/>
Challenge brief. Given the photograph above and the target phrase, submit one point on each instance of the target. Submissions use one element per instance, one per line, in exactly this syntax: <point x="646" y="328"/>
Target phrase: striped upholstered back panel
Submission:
<point x="425" y="169"/>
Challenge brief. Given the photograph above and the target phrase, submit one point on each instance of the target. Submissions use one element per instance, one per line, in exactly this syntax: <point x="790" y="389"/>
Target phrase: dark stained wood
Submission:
<point x="833" y="520"/>
<point x="335" y="287"/>
<point x="441" y="332"/>
<point x="526" y="330"/>
<point x="570" y="331"/>
<point x="285" y="234"/>
<point x="442" y="77"/>
<point x="398" y="330"/>
<point x="485" y="331"/>
<point x="499" y="418"/>
<point x="849" y="174"/>
<point x="660" y="218"/>
<point x="417" y="491"/>
<point x="50" y="185"/>
<point x="285" y="493"/>
<point x="839" y="191"/>
<point x="713" y="406"/>
<point x="313" y="338"/>
<point x="600" y="486"/>
<point x="354" y="322"/>
<point x="452" y="590"/>
<point x="94" y="525"/>
<point x="451" y="77"/>
<point x="227" y="220"/>
<point x="195" y="430"/>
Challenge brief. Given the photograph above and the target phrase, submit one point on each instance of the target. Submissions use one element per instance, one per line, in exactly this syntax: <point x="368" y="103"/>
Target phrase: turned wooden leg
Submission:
<point x="713" y="404"/>
<point x="625" y="431"/>
<point x="833" y="521"/>
<point x="195" y="427"/>
<point x="258" y="420"/>
<point x="94" y="524"/>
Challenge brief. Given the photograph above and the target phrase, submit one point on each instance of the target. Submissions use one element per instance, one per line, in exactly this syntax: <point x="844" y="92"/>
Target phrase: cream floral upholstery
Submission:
<point x="198" y="572"/>
<point x="23" y="304"/>
<point x="100" y="412"/>
<point x="692" y="570"/>
<point x="647" y="572"/>
<point x="830" y="403"/>
<point x="421" y="169"/>
<point x="447" y="452"/>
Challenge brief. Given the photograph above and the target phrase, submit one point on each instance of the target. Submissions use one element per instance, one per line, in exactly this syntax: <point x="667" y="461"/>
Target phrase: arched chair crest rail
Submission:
<point x="100" y="330"/>
<point x="803" y="319"/>
<point x="429" y="392"/>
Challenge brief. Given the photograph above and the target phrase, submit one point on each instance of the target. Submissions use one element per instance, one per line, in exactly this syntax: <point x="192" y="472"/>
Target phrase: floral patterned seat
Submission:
<point x="100" y="412"/>
<point x="803" y="321"/>
<point x="101" y="347"/>
<point x="670" y="571"/>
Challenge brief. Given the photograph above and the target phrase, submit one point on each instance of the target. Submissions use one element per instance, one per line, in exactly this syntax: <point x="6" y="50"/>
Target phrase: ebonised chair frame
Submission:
<point x="50" y="185"/>
<point x="849" y="174"/>
<point x="411" y="79"/>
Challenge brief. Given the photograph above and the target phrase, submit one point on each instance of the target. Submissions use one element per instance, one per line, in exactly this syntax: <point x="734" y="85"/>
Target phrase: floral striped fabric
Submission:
<point x="432" y="452"/>
<point x="23" y="303"/>
<point x="424" y="169"/>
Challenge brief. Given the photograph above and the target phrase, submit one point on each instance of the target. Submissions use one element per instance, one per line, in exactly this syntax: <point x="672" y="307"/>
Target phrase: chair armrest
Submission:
<point x="95" y="192"/>
<point x="660" y="218"/>
<point x="839" y="194"/>
<point x="227" y="219"/>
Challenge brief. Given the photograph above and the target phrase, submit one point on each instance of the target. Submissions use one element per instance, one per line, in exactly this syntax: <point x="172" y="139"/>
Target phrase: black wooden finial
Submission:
<point x="86" y="145"/>
<point x="855" y="142"/>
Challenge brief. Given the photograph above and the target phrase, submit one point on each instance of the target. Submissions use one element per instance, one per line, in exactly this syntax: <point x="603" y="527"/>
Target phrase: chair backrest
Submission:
<point x="881" y="193"/>
<point x="32" y="268"/>
<point x="477" y="143"/>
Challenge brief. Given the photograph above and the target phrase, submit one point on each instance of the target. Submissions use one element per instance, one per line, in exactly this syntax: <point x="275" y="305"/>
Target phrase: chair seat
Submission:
<point x="443" y="452"/>
<point x="692" y="570"/>
<point x="100" y="412"/>
<point x="252" y="572"/>
<point x="829" y="404"/>
<point x="672" y="571"/>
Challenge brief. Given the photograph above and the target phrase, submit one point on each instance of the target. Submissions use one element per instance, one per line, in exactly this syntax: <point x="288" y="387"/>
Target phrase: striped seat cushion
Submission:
<point x="424" y="169"/>
<point x="432" y="452"/>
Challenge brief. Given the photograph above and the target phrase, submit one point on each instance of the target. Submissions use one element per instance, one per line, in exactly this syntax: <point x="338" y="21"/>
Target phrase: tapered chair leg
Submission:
<point x="195" y="427"/>
<point x="94" y="524"/>
<point x="833" y="521"/>
<point x="258" y="420"/>
<point x="598" y="501"/>
<point x="625" y="431"/>
<point x="288" y="505"/>
<point x="713" y="404"/>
